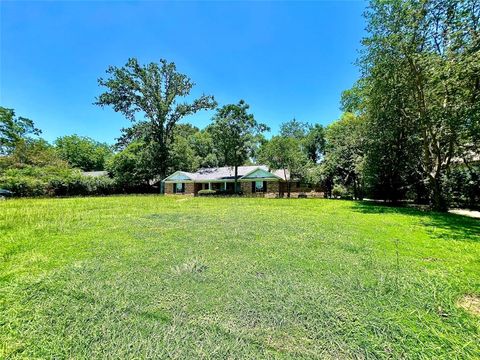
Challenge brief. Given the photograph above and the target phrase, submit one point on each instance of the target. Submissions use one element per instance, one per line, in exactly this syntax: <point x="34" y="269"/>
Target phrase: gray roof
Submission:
<point x="228" y="172"/>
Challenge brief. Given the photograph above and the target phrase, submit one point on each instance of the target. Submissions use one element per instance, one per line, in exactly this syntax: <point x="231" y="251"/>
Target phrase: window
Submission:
<point x="178" y="188"/>
<point x="259" y="186"/>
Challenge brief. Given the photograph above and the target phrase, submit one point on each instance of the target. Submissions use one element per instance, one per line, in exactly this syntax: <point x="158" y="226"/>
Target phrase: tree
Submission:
<point x="314" y="143"/>
<point x="83" y="152"/>
<point x="13" y="130"/>
<point x="294" y="129"/>
<point x="344" y="153"/>
<point x="129" y="167"/>
<point x="34" y="153"/>
<point x="235" y="133"/>
<point x="154" y="90"/>
<point x="420" y="69"/>
<point x="284" y="153"/>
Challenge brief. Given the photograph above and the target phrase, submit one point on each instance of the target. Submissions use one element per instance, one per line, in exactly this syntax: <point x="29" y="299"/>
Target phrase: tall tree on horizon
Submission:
<point x="235" y="133"/>
<point x="14" y="130"/>
<point x="420" y="86"/>
<point x="154" y="91"/>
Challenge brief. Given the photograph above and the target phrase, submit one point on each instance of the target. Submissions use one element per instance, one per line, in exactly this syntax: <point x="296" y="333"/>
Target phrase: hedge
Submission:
<point x="47" y="181"/>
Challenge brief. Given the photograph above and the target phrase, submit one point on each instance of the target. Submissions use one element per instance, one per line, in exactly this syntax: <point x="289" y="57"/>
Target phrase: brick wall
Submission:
<point x="246" y="187"/>
<point x="189" y="189"/>
<point x="169" y="188"/>
<point x="273" y="188"/>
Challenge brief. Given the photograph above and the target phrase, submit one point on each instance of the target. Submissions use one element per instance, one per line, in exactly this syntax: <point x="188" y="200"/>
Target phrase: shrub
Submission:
<point x="51" y="181"/>
<point x="339" y="191"/>
<point x="207" y="192"/>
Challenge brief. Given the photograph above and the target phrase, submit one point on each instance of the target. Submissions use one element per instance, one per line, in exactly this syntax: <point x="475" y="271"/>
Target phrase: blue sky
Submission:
<point x="286" y="59"/>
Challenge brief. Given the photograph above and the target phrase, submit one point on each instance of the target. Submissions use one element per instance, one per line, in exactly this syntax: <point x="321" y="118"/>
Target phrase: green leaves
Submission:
<point x="419" y="91"/>
<point x="13" y="130"/>
<point x="154" y="92"/>
<point x="83" y="152"/>
<point x="235" y="133"/>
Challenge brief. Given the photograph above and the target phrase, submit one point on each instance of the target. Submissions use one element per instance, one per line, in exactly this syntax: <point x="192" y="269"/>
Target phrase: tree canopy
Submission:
<point x="83" y="152"/>
<point x="235" y="134"/>
<point x="156" y="91"/>
<point x="14" y="130"/>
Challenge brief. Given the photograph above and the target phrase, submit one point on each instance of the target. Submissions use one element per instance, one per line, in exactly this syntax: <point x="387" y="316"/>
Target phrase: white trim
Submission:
<point x="178" y="172"/>
<point x="259" y="168"/>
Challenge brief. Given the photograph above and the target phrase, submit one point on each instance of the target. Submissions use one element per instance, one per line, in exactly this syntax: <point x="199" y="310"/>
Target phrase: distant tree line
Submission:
<point x="410" y="128"/>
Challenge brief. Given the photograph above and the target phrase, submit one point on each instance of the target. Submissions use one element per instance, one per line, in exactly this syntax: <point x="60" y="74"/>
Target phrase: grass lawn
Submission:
<point x="152" y="276"/>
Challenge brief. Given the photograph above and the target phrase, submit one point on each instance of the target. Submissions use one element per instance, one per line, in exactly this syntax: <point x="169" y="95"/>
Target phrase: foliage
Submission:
<point x="32" y="152"/>
<point x="314" y="143"/>
<point x="99" y="277"/>
<point x="53" y="181"/>
<point x="154" y="90"/>
<point x="344" y="153"/>
<point x="294" y="129"/>
<point x="130" y="167"/>
<point x="83" y="152"/>
<point x="419" y="91"/>
<point x="462" y="185"/>
<point x="192" y="149"/>
<point x="235" y="134"/>
<point x="206" y="192"/>
<point x="340" y="191"/>
<point x="285" y="153"/>
<point x="14" y="130"/>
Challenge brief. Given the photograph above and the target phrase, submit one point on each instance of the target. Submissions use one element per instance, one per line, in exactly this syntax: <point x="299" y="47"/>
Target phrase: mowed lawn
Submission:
<point x="173" y="277"/>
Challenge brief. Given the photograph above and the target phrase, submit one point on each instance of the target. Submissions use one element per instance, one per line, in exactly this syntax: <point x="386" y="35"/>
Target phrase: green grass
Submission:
<point x="152" y="277"/>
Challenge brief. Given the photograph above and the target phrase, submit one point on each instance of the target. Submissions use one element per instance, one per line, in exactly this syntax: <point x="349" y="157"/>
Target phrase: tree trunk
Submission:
<point x="235" y="190"/>
<point x="438" y="200"/>
<point x="288" y="182"/>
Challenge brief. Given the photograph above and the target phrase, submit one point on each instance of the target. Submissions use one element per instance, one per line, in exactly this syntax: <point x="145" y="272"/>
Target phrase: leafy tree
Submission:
<point x="128" y="167"/>
<point x="13" y="130"/>
<point x="314" y="143"/>
<point x="183" y="155"/>
<point x="83" y="152"/>
<point x="421" y="83"/>
<point x="235" y="134"/>
<point x="154" y="91"/>
<point x="285" y="153"/>
<point x="344" y="154"/>
<point x="294" y="129"/>
<point x="203" y="146"/>
<point x="32" y="152"/>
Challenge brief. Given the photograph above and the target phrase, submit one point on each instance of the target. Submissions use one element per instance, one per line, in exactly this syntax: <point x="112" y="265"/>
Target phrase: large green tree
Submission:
<point x="14" y="130"/>
<point x="285" y="153"/>
<point x="420" y="85"/>
<point x="83" y="152"/>
<point x="344" y="153"/>
<point x="235" y="134"/>
<point x="156" y="92"/>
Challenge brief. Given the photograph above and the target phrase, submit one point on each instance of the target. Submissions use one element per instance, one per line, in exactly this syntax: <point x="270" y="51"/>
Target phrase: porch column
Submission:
<point x="209" y="186"/>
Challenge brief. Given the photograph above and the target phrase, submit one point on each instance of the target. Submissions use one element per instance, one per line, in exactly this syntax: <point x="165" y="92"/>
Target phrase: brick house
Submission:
<point x="255" y="180"/>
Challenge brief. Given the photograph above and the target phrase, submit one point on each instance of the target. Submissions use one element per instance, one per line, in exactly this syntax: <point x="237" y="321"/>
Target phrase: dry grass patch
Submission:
<point x="470" y="303"/>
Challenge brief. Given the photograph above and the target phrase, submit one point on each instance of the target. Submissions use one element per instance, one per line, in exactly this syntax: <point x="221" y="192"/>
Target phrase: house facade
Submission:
<point x="255" y="180"/>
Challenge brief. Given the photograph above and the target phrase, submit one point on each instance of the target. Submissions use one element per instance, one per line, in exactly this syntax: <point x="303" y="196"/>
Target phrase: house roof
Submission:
<point x="228" y="173"/>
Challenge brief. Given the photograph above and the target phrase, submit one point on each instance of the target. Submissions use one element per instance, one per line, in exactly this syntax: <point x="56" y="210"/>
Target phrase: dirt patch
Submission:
<point x="470" y="303"/>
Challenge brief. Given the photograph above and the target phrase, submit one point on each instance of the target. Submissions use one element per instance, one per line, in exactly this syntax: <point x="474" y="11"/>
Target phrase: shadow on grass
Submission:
<point x="456" y="227"/>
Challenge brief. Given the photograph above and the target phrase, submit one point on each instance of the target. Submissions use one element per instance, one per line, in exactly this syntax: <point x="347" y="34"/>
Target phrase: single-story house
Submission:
<point x="256" y="180"/>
